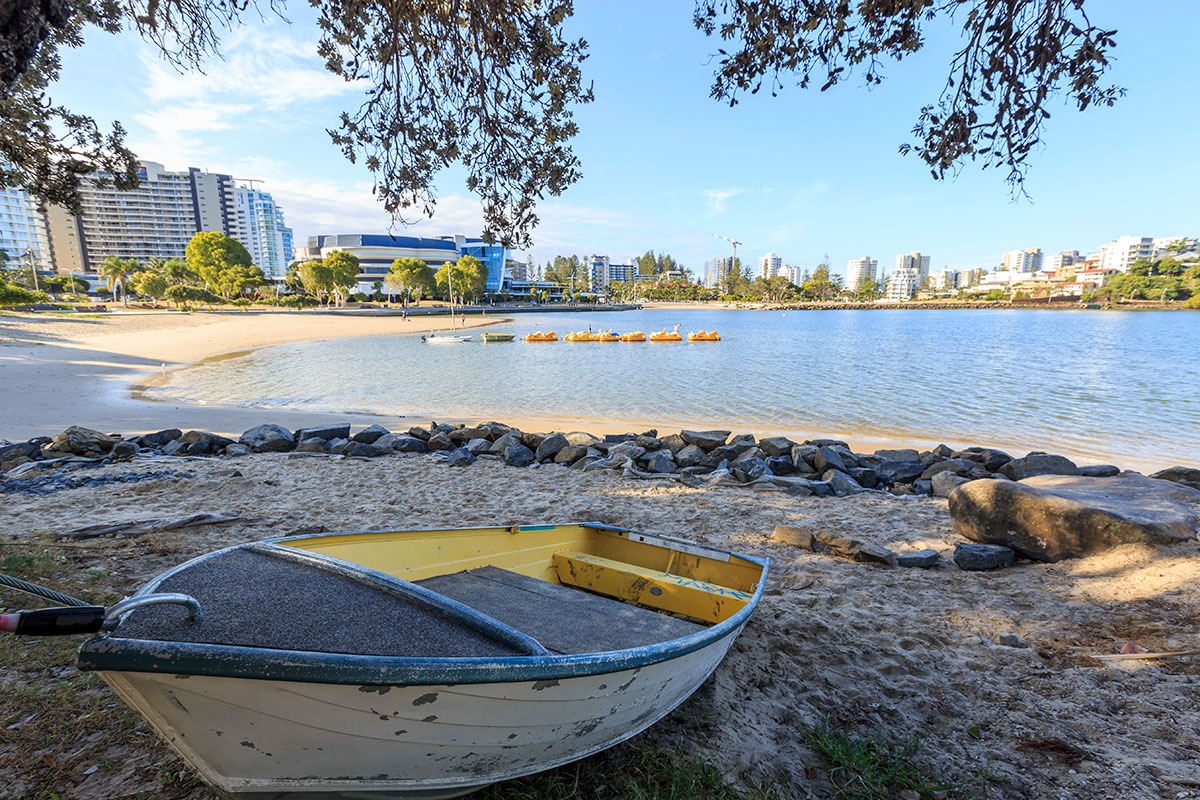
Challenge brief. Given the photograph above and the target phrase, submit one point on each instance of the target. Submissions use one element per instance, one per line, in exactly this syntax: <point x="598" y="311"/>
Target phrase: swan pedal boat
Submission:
<point x="665" y="336"/>
<point x="607" y="336"/>
<point x="580" y="336"/>
<point x="406" y="664"/>
<point x="550" y="336"/>
<point x="635" y="336"/>
<point x="704" y="336"/>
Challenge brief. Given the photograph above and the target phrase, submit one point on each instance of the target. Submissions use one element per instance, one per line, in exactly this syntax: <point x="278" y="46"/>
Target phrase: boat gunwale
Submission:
<point x="114" y="653"/>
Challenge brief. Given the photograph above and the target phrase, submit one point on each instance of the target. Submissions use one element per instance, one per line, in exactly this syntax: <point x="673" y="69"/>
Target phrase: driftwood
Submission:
<point x="141" y="527"/>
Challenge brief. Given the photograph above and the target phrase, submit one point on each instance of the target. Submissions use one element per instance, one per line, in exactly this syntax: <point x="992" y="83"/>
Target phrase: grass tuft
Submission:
<point x="874" y="768"/>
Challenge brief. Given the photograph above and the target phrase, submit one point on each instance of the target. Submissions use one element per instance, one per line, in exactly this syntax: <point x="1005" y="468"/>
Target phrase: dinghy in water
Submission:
<point x="423" y="663"/>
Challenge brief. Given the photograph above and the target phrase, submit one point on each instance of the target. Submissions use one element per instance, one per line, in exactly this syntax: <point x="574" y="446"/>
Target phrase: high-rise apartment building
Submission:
<point x="791" y="272"/>
<point x="769" y="265"/>
<point x="859" y="270"/>
<point x="914" y="261"/>
<point x="1064" y="259"/>
<point x="1120" y="253"/>
<point x="24" y="234"/>
<point x="1027" y="260"/>
<point x="945" y="280"/>
<point x="603" y="272"/>
<point x="716" y="270"/>
<point x="903" y="283"/>
<point x="160" y="217"/>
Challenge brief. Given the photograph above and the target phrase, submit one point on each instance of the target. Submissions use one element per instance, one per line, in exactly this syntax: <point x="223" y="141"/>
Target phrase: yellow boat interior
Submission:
<point x="571" y="589"/>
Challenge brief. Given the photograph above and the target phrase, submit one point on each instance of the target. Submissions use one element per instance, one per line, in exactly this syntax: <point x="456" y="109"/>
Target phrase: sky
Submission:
<point x="805" y="174"/>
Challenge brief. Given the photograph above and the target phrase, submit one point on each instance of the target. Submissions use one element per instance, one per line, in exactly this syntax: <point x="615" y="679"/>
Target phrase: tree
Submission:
<point x="469" y="276"/>
<point x="1141" y="267"/>
<point x="408" y="276"/>
<point x="343" y="272"/>
<point x="493" y="84"/>
<point x="220" y="261"/>
<point x="316" y="278"/>
<point x="116" y="272"/>
<point x="150" y="284"/>
<point x="646" y="263"/>
<point x="177" y="273"/>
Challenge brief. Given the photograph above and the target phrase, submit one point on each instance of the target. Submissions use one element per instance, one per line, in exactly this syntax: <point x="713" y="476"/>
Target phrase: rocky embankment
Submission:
<point x="1038" y="506"/>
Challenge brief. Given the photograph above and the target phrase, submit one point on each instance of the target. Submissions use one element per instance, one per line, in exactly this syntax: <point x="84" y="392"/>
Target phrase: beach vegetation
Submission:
<point x="11" y="295"/>
<point x="343" y="273"/>
<point x="116" y="273"/>
<point x="469" y="277"/>
<point x="181" y="295"/>
<point x="150" y="284"/>
<point x="223" y="264"/>
<point x="873" y="767"/>
<point x="410" y="277"/>
<point x="316" y="278"/>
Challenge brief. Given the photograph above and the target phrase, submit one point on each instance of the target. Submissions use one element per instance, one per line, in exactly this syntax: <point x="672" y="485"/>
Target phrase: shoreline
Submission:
<point x="98" y="373"/>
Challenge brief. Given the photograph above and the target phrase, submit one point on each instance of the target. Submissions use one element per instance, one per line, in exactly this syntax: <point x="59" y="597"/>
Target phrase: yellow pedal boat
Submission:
<point x="666" y="336"/>
<point x="702" y="336"/>
<point x="635" y="336"/>
<point x="607" y="336"/>
<point x="548" y="336"/>
<point x="580" y="336"/>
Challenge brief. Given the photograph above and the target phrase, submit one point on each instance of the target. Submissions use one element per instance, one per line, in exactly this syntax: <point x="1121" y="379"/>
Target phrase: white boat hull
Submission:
<point x="260" y="739"/>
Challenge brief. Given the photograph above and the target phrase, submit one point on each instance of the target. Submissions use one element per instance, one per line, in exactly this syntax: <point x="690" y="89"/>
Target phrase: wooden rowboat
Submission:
<point x="422" y="663"/>
<point x="497" y="337"/>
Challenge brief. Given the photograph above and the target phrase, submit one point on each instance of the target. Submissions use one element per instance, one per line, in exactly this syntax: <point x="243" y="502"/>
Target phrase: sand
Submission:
<point x="899" y="651"/>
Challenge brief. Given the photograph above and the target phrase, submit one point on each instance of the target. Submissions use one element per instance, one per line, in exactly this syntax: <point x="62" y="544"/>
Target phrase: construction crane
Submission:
<point x="735" y="244"/>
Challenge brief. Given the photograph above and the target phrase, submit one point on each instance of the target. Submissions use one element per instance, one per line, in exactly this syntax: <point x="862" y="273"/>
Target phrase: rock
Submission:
<point x="715" y="456"/>
<point x="1012" y="640"/>
<point x="402" y="443"/>
<point x="460" y="435"/>
<point x="922" y="487"/>
<point x="743" y="441"/>
<point x="957" y="466"/>
<point x="570" y="454"/>
<point x="856" y="549"/>
<point x="661" y="462"/>
<point x="1052" y="517"/>
<point x="123" y="450"/>
<point x="479" y="446"/>
<point x="438" y="441"/>
<point x="749" y="469"/>
<point x="827" y="443"/>
<point x="82" y="441"/>
<point x="706" y="440"/>
<point x="530" y="440"/>
<point x="325" y="432"/>
<point x="417" y="432"/>
<point x="461" y="457"/>
<point x="617" y="438"/>
<point x="971" y="556"/>
<point x="496" y="429"/>
<point x="518" y="455"/>
<point x="371" y="433"/>
<point x="160" y="438"/>
<point x="268" y="439"/>
<point x="777" y="446"/>
<point x="803" y="456"/>
<point x="820" y="488"/>
<point x="173" y="448"/>
<point x="827" y="458"/>
<point x="795" y="537"/>
<point x="942" y="451"/>
<point x="649" y="443"/>
<point x="690" y="456"/>
<point x="901" y="490"/>
<point x="782" y="465"/>
<point x="921" y="558"/>
<point x="21" y="450"/>
<point x="673" y="442"/>
<point x="892" y="472"/>
<point x="943" y="483"/>
<point x="841" y="483"/>
<point x="336" y="446"/>
<point x="550" y="446"/>
<point x="1038" y="464"/>
<point x="234" y="450"/>
<point x="1185" y="475"/>
<point x="628" y="449"/>
<point x="364" y="450"/>
<point x="580" y="439"/>
<point x="906" y="454"/>
<point x="311" y="446"/>
<point x="584" y="462"/>
<point x="865" y="476"/>
<point x="218" y="443"/>
<point x="503" y="443"/>
<point x="1100" y="471"/>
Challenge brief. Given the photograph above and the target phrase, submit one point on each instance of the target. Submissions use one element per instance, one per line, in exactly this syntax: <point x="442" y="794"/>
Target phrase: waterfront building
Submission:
<point x="1064" y="259"/>
<point x="24" y="233"/>
<point x="914" y="261"/>
<point x="160" y="217"/>
<point x="603" y="272"/>
<point x="946" y="280"/>
<point x="518" y="271"/>
<point x="769" y="265"/>
<point x="1094" y="277"/>
<point x="1027" y="260"/>
<point x="791" y="272"/>
<point x="1165" y="246"/>
<point x="859" y="270"/>
<point x="1122" y="252"/>
<point x="971" y="277"/>
<point x="716" y="270"/>
<point x="903" y="283"/>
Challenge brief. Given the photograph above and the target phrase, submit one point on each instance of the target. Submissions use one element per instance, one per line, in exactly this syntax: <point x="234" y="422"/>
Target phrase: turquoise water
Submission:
<point x="1102" y="386"/>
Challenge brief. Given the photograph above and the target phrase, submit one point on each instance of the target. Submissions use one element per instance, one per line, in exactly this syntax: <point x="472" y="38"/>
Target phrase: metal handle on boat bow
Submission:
<point x="113" y="618"/>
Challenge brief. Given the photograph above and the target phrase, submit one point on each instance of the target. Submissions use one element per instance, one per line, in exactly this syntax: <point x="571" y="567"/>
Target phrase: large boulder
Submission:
<point x="705" y="439"/>
<point x="957" y="466"/>
<point x="370" y="434"/>
<point x="776" y="446"/>
<point x="944" y="483"/>
<point x="160" y="438"/>
<point x="82" y="441"/>
<point x="1052" y="517"/>
<point x="1036" y="464"/>
<point x="580" y="439"/>
<point x="327" y="432"/>
<point x="438" y="441"/>
<point x="891" y="472"/>
<point x="550" y="446"/>
<point x="504" y="442"/>
<point x="689" y="456"/>
<point x="570" y="454"/>
<point x="461" y="457"/>
<point x="715" y="456"/>
<point x="401" y="443"/>
<point x="749" y="469"/>
<point x="827" y="458"/>
<point x="268" y="439"/>
<point x="904" y="454"/>
<point x="673" y="442"/>
<point x="841" y="483"/>
<point x="660" y="461"/>
<point x="975" y="557"/>
<point x="1188" y="476"/>
<point x="518" y="455"/>
<point x="629" y="449"/>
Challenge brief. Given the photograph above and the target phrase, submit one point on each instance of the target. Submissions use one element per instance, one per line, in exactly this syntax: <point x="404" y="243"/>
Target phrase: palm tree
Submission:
<point x="116" y="272"/>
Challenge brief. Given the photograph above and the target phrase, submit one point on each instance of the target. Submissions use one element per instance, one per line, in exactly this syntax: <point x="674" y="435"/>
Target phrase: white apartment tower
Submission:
<point x="769" y="265"/>
<point x="259" y="225"/>
<point x="914" y="261"/>
<point x="859" y="270"/>
<point x="1064" y="259"/>
<point x="24" y="234"/>
<point x="715" y="271"/>
<point x="1027" y="260"/>
<point x="1120" y="253"/>
<point x="903" y="283"/>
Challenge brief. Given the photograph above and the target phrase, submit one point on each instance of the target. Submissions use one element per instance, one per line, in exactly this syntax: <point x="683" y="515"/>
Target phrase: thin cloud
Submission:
<point x="715" y="199"/>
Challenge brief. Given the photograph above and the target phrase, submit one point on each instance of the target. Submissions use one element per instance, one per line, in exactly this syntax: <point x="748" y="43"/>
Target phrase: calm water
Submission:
<point x="1121" y="387"/>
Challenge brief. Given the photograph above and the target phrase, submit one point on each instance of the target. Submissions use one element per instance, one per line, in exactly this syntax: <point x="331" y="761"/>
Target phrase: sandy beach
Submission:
<point x="896" y="651"/>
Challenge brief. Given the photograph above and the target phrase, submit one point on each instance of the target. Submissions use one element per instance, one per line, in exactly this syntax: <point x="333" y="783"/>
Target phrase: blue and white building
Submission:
<point x="23" y="230"/>
<point x="261" y="229"/>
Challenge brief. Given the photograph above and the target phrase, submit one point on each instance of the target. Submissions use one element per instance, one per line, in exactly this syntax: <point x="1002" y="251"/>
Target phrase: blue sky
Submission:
<point x="665" y="167"/>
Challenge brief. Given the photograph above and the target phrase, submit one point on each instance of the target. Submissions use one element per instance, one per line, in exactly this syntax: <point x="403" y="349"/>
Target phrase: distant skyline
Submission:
<point x="665" y="167"/>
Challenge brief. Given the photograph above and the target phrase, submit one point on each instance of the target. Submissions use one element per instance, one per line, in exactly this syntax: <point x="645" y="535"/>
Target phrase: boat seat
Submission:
<point x="565" y="620"/>
<point x="251" y="599"/>
<point x="700" y="600"/>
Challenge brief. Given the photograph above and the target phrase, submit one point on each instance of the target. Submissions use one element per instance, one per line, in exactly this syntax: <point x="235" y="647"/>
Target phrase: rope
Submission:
<point x="39" y="591"/>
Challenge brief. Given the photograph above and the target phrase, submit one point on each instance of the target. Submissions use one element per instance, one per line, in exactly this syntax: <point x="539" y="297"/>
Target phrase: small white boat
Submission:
<point x="444" y="338"/>
<point x="422" y="663"/>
